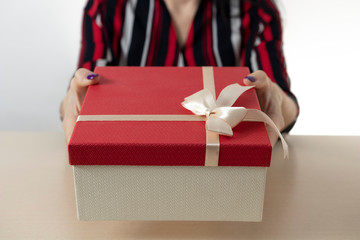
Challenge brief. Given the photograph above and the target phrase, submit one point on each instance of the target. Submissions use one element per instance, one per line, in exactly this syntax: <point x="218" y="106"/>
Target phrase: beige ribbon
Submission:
<point x="219" y="115"/>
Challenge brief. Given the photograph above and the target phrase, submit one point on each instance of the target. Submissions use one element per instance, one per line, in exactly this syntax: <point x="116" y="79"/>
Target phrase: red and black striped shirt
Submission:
<point x="223" y="33"/>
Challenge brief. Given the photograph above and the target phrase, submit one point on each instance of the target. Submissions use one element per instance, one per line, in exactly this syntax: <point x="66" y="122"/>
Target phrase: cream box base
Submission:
<point x="169" y="193"/>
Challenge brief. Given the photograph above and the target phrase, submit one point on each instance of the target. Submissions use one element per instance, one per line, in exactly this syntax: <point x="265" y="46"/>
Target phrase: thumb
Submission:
<point x="84" y="78"/>
<point x="259" y="80"/>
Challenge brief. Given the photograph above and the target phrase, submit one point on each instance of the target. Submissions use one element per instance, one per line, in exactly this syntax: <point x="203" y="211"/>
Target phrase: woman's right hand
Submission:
<point x="71" y="105"/>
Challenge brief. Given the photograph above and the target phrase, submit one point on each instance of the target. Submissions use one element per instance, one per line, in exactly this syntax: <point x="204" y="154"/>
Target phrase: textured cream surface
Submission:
<point x="170" y="193"/>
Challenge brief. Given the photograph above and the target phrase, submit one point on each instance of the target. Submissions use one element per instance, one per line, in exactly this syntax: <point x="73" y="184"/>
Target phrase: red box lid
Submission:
<point x="160" y="90"/>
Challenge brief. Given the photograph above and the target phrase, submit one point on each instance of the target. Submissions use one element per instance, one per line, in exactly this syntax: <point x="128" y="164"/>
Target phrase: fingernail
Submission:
<point x="91" y="76"/>
<point x="251" y="78"/>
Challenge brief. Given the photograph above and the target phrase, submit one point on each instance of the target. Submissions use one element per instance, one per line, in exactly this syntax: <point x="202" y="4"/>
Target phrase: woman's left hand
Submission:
<point x="273" y="101"/>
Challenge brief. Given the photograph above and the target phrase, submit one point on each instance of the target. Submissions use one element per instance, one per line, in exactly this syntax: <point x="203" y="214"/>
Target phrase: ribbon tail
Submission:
<point x="200" y="102"/>
<point x="254" y="115"/>
<point x="230" y="94"/>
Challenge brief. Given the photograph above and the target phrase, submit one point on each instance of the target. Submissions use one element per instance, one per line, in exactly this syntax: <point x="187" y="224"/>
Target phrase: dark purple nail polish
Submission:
<point x="91" y="76"/>
<point x="251" y="78"/>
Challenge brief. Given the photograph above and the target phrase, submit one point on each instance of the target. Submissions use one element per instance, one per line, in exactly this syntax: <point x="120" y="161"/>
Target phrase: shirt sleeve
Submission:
<point x="93" y="45"/>
<point x="265" y="49"/>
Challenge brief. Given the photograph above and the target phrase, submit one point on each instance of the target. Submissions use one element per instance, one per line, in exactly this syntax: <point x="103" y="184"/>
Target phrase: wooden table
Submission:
<point x="314" y="195"/>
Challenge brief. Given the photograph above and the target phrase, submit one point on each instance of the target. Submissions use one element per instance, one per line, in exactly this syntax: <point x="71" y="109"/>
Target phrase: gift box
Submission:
<point x="139" y="154"/>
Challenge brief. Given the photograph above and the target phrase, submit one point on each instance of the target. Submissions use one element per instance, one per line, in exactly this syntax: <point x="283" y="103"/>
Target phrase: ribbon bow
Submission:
<point x="221" y="117"/>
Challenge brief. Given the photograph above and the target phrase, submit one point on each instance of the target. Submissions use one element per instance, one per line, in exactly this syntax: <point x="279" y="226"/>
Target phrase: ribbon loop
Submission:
<point x="200" y="103"/>
<point x="231" y="115"/>
<point x="230" y="94"/>
<point x="218" y="125"/>
<point x="221" y="117"/>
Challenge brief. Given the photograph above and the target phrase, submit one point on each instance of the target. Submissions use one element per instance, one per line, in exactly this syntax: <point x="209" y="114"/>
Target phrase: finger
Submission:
<point x="71" y="112"/>
<point x="84" y="78"/>
<point x="275" y="113"/>
<point x="259" y="79"/>
<point x="262" y="85"/>
<point x="276" y="116"/>
<point x="68" y="126"/>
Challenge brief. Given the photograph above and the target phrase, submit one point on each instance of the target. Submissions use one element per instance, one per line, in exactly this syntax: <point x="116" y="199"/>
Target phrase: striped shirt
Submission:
<point x="223" y="33"/>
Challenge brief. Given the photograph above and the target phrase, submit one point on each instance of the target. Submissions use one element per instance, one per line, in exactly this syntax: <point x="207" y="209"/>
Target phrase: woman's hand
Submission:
<point x="273" y="101"/>
<point x="71" y="105"/>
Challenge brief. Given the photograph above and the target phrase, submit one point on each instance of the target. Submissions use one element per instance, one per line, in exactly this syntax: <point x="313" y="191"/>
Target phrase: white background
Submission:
<point x="40" y="44"/>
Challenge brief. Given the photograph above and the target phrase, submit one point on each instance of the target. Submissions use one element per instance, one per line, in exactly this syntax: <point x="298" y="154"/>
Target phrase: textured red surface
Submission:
<point x="160" y="90"/>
